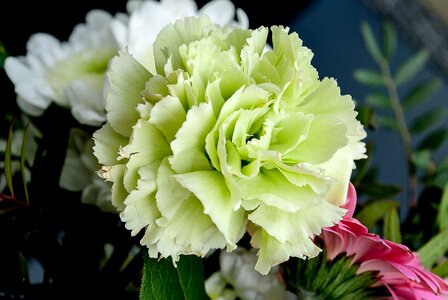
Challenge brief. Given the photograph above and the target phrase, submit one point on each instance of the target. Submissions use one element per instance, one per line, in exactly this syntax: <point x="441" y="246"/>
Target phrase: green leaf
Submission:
<point x="434" y="249"/>
<point x="386" y="122"/>
<point x="421" y="92"/>
<point x="161" y="280"/>
<point x="374" y="211"/>
<point x="378" y="100"/>
<point x="422" y="160"/>
<point x="389" y="40"/>
<point x="3" y="55"/>
<point x="370" y="42"/>
<point x="8" y="166"/>
<point x="433" y="140"/>
<point x="410" y="67"/>
<point x="369" y="77"/>
<point x="22" y="162"/>
<point x="441" y="176"/>
<point x="442" y="212"/>
<point x="391" y="226"/>
<point x="441" y="270"/>
<point x="427" y="119"/>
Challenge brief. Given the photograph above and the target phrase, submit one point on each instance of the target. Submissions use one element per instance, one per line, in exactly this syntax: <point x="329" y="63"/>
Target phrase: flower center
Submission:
<point x="318" y="279"/>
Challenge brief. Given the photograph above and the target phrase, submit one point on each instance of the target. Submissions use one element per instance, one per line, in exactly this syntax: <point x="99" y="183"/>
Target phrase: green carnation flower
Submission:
<point x="228" y="136"/>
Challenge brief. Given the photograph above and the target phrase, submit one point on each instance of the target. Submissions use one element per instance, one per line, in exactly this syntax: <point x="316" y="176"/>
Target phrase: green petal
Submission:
<point x="168" y="115"/>
<point x="272" y="188"/>
<point x="326" y="135"/>
<point x="272" y="252"/>
<point x="247" y="98"/>
<point x="127" y="80"/>
<point x="189" y="145"/>
<point x="217" y="202"/>
<point x="119" y="193"/>
<point x="190" y="230"/>
<point x="170" y="194"/>
<point x="147" y="146"/>
<point x="141" y="210"/>
<point x="107" y="145"/>
<point x="171" y="37"/>
<point x="298" y="226"/>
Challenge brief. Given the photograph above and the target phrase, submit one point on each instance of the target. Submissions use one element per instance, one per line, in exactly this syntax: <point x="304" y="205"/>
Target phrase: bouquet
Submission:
<point x="173" y="152"/>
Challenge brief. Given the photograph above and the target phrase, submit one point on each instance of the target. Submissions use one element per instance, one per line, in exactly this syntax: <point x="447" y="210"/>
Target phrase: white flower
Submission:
<point x="79" y="172"/>
<point x="238" y="279"/>
<point x="148" y="17"/>
<point x="70" y="74"/>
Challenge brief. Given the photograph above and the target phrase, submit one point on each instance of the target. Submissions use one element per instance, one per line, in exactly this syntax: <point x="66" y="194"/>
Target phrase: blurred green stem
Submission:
<point x="403" y="131"/>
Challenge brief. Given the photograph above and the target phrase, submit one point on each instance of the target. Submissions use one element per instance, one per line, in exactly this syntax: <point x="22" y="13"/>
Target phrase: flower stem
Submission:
<point x="403" y="131"/>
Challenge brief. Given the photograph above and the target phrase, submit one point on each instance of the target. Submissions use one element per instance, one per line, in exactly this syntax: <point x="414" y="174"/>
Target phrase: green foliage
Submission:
<point x="434" y="249"/>
<point x="371" y="43"/>
<point x="22" y="162"/>
<point x="369" y="77"/>
<point x="391" y="227"/>
<point x="330" y="279"/>
<point x="442" y="212"/>
<point x="389" y="40"/>
<point x="427" y="119"/>
<point x="375" y="211"/>
<point x="420" y="93"/>
<point x="8" y="163"/>
<point x="410" y="67"/>
<point x="162" y="280"/>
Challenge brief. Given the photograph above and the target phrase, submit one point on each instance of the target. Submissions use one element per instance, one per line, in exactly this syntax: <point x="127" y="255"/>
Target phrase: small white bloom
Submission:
<point x="238" y="279"/>
<point x="148" y="17"/>
<point x="79" y="172"/>
<point x="70" y="74"/>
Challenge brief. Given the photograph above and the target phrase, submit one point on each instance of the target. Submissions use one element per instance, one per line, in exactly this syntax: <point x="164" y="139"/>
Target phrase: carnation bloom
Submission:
<point x="147" y="17"/>
<point x="70" y="74"/>
<point x="79" y="172"/>
<point x="237" y="279"/>
<point x="395" y="266"/>
<point x="225" y="134"/>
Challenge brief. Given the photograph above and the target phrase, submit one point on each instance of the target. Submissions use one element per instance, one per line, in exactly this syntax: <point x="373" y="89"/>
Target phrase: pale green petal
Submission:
<point x="298" y="226"/>
<point x="168" y="115"/>
<point x="340" y="167"/>
<point x="325" y="136"/>
<point x="211" y="190"/>
<point x="155" y="89"/>
<point x="327" y="100"/>
<point x="291" y="130"/>
<point x="171" y="37"/>
<point x="214" y="97"/>
<point x="272" y="188"/>
<point x="247" y="98"/>
<point x="170" y="194"/>
<point x="193" y="230"/>
<point x="189" y="145"/>
<point x="272" y="252"/>
<point x="119" y="193"/>
<point x="141" y="210"/>
<point x="147" y="145"/>
<point x="107" y="145"/>
<point x="127" y="80"/>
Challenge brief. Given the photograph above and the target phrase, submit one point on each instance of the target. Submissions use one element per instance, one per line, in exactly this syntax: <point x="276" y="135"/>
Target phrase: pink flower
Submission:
<point x="395" y="265"/>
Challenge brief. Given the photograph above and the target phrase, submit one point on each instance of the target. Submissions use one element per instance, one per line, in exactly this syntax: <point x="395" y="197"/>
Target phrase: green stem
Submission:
<point x="403" y="131"/>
